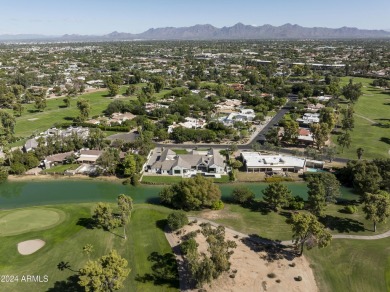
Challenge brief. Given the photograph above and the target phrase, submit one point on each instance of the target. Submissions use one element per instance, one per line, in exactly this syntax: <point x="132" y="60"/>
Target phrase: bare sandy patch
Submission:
<point x="30" y="246"/>
<point x="33" y="119"/>
<point x="256" y="267"/>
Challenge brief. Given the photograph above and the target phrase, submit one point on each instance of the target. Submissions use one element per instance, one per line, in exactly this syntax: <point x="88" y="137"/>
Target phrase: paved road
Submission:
<point x="274" y="121"/>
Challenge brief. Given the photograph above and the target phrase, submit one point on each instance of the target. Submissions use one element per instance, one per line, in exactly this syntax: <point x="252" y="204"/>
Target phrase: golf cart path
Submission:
<point x="367" y="119"/>
<point x="289" y="242"/>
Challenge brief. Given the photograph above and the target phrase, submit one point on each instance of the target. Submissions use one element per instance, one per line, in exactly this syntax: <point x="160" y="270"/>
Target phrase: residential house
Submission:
<point x="245" y="115"/>
<point x="309" y="118"/>
<point x="305" y="136"/>
<point x="170" y="163"/>
<point x="314" y="107"/>
<point x="257" y="162"/>
<point x="89" y="156"/>
<point x="30" y="144"/>
<point x="190" y="123"/>
<point x="56" y="159"/>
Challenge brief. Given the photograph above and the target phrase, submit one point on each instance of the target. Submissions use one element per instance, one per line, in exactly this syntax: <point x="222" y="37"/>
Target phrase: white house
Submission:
<point x="309" y="118"/>
<point x="257" y="162"/>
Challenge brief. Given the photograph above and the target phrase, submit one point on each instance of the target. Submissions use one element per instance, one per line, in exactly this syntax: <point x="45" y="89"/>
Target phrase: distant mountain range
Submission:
<point x="208" y="32"/>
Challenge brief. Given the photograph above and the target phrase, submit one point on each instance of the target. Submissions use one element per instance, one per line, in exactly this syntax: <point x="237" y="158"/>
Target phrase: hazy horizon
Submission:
<point x="100" y="17"/>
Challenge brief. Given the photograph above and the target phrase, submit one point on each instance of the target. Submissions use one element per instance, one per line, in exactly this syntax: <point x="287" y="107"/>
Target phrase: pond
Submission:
<point x="23" y="194"/>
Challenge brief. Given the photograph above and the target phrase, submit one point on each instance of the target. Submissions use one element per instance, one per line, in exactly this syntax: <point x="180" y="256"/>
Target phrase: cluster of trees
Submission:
<point x="366" y="176"/>
<point x="105" y="218"/>
<point x="191" y="194"/>
<point x="371" y="179"/>
<point x="104" y="274"/>
<point x="204" y="268"/>
<point x="324" y="188"/>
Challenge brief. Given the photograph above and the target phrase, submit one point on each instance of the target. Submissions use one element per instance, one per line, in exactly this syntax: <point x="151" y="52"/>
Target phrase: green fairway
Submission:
<point x="26" y="220"/>
<point x="32" y="121"/>
<point x="65" y="242"/>
<point x="372" y="120"/>
<point x="352" y="265"/>
<point x="272" y="225"/>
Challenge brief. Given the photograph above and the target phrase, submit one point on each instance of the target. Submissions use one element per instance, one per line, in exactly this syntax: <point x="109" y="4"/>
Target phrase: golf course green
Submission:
<point x="15" y="222"/>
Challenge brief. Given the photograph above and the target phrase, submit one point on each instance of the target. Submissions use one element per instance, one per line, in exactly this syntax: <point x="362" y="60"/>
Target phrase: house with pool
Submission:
<point x="258" y="162"/>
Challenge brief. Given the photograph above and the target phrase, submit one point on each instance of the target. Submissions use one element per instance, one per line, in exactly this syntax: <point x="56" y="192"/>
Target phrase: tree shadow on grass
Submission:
<point x="68" y="285"/>
<point x="257" y="206"/>
<point x="154" y="201"/>
<point x="273" y="249"/>
<point x="164" y="270"/>
<point x="382" y="125"/>
<point x="385" y="140"/>
<point x="161" y="224"/>
<point x="88" y="223"/>
<point x="342" y="225"/>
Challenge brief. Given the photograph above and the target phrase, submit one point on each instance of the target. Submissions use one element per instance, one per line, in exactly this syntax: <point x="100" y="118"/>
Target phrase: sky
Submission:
<point x="53" y="17"/>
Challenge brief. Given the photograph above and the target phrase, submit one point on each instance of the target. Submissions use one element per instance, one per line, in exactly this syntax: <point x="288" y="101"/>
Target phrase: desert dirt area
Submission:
<point x="255" y="266"/>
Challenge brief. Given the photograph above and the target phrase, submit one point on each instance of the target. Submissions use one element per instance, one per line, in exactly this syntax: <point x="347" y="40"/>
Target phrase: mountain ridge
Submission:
<point x="238" y="31"/>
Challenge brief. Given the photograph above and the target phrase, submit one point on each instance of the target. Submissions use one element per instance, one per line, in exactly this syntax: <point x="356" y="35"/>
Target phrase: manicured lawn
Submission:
<point x="161" y="180"/>
<point x="64" y="242"/>
<point x="374" y="105"/>
<point x="272" y="225"/>
<point x="352" y="265"/>
<point x="61" y="168"/>
<point x="180" y="151"/>
<point x="32" y="121"/>
<point x="19" y="221"/>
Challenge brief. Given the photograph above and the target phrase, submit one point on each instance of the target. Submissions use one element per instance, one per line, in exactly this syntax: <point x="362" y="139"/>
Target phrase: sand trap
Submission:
<point x="33" y="119"/>
<point x="30" y="246"/>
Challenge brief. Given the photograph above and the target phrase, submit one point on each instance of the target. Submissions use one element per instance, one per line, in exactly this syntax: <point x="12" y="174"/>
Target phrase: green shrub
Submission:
<point x="271" y="275"/>
<point x="350" y="209"/>
<point x="242" y="195"/>
<point x="296" y="203"/>
<point x="177" y="220"/>
<point x="189" y="245"/>
<point x="218" y="205"/>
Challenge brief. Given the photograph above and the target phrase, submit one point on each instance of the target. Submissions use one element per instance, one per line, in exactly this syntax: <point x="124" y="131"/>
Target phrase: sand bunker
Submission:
<point x="30" y="246"/>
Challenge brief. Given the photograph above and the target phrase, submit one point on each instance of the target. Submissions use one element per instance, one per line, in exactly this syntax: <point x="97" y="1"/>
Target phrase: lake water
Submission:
<point x="22" y="194"/>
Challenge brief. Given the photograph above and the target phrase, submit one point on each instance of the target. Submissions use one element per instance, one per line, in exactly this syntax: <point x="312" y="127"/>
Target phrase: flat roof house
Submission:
<point x="257" y="162"/>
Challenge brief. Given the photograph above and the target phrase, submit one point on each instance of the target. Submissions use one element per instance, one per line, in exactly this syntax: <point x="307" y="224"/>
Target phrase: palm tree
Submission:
<point x="88" y="249"/>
